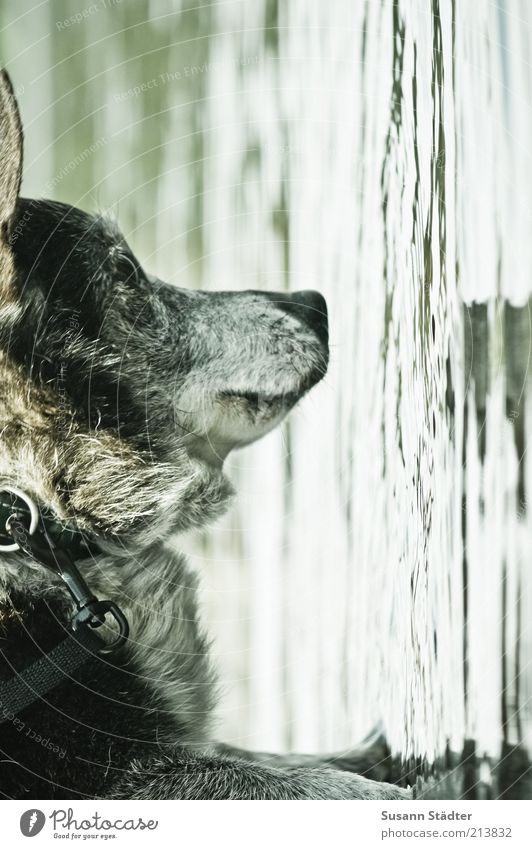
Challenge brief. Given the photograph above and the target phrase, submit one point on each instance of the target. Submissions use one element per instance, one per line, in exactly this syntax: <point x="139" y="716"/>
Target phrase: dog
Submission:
<point x="120" y="398"/>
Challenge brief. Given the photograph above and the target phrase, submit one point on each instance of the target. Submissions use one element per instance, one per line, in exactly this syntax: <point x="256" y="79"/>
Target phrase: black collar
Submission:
<point x="26" y="528"/>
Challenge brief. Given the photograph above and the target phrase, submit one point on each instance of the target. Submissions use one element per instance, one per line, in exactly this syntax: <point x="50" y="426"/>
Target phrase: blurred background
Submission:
<point x="376" y="565"/>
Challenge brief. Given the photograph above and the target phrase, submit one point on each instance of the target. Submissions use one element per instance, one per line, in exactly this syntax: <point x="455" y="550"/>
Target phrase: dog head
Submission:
<point x="155" y="377"/>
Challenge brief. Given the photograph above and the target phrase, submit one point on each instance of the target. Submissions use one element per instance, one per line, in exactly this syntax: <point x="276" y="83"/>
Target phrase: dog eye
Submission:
<point x="126" y="268"/>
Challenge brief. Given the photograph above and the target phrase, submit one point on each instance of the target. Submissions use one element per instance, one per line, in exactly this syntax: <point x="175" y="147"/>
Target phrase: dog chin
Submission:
<point x="213" y="447"/>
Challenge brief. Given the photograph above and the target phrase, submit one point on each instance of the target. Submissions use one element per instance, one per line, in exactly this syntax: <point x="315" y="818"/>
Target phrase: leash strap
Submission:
<point x="42" y="676"/>
<point x="83" y="644"/>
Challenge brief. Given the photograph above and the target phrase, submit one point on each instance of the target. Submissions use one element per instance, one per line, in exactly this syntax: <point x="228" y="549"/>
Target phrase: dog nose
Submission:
<point x="310" y="307"/>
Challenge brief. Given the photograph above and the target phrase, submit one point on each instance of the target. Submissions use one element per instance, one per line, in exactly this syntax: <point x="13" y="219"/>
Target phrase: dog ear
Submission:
<point x="10" y="149"/>
<point x="10" y="173"/>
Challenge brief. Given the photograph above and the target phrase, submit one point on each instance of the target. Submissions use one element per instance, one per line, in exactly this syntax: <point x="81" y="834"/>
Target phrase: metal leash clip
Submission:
<point x="91" y="611"/>
<point x="17" y="502"/>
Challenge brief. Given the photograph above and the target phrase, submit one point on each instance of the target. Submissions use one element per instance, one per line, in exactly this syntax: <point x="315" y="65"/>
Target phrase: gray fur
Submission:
<point x="120" y="397"/>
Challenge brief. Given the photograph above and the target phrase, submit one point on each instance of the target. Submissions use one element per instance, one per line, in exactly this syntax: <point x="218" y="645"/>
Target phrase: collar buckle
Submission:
<point x="91" y="611"/>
